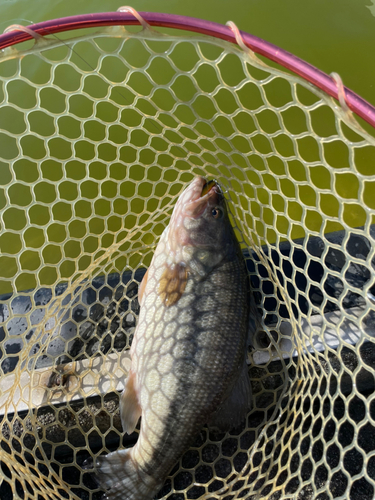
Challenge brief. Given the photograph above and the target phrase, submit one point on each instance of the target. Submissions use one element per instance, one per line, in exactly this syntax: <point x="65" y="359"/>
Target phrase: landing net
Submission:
<point x="99" y="133"/>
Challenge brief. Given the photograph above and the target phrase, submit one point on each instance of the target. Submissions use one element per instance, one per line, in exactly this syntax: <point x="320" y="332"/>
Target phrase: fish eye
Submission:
<point x="217" y="213"/>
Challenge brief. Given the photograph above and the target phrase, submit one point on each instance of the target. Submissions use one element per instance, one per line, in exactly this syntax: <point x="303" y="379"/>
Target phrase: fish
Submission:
<point x="188" y="355"/>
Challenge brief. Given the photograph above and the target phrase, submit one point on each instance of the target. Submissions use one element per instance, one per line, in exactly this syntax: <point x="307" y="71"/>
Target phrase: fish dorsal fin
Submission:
<point x="142" y="287"/>
<point x="172" y="283"/>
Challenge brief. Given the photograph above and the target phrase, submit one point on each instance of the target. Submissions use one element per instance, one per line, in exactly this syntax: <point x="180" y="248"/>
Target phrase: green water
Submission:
<point x="334" y="36"/>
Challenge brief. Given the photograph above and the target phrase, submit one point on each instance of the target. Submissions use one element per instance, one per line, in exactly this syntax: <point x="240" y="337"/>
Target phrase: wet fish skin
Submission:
<point x="188" y="353"/>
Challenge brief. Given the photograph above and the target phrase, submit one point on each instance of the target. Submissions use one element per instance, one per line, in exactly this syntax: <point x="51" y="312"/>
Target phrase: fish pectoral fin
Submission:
<point x="130" y="409"/>
<point x="172" y="283"/>
<point x="234" y="409"/>
<point x="142" y="286"/>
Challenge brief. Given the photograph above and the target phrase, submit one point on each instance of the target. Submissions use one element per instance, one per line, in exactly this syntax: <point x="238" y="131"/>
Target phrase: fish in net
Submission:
<point x="100" y="134"/>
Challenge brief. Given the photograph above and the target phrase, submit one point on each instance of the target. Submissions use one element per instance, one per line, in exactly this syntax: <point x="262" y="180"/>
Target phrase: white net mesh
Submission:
<point x="98" y="137"/>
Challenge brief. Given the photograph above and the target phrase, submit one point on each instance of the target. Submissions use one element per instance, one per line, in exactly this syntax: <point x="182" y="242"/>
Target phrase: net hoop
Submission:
<point x="308" y="72"/>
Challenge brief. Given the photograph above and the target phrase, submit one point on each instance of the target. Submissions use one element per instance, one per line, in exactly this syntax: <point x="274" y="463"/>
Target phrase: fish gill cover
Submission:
<point x="100" y="134"/>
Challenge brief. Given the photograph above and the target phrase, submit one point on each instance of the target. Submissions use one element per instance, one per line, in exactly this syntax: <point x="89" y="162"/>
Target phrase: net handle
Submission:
<point x="308" y="72"/>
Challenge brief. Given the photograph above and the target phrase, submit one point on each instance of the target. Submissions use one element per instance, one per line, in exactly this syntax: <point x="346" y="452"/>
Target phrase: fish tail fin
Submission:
<point x="119" y="475"/>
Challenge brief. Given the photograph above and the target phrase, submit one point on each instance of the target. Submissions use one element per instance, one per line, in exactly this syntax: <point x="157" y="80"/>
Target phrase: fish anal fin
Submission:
<point x="235" y="407"/>
<point x="142" y="286"/>
<point x="173" y="283"/>
<point x="130" y="409"/>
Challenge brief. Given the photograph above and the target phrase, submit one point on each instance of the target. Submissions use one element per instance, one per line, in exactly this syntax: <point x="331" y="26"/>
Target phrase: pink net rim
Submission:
<point x="326" y="83"/>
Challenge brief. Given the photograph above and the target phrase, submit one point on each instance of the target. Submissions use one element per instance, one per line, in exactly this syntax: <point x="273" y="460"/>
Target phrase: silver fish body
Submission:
<point x="188" y="352"/>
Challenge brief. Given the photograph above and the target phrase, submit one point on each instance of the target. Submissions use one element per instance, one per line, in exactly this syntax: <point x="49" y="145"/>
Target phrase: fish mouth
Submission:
<point x="202" y="192"/>
<point x="207" y="186"/>
<point x="211" y="188"/>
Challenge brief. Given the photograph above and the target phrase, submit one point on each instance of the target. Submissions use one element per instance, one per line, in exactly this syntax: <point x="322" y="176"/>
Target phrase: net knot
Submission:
<point x="342" y="98"/>
<point x="241" y="43"/>
<point x="136" y="14"/>
<point x="39" y="39"/>
<point x="341" y="92"/>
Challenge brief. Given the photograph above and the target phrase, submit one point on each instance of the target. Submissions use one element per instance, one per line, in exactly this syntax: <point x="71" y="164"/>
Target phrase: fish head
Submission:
<point x="200" y="234"/>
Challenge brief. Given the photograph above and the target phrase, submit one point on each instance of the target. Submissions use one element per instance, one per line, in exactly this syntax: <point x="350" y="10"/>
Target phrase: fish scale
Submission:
<point x="188" y="353"/>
